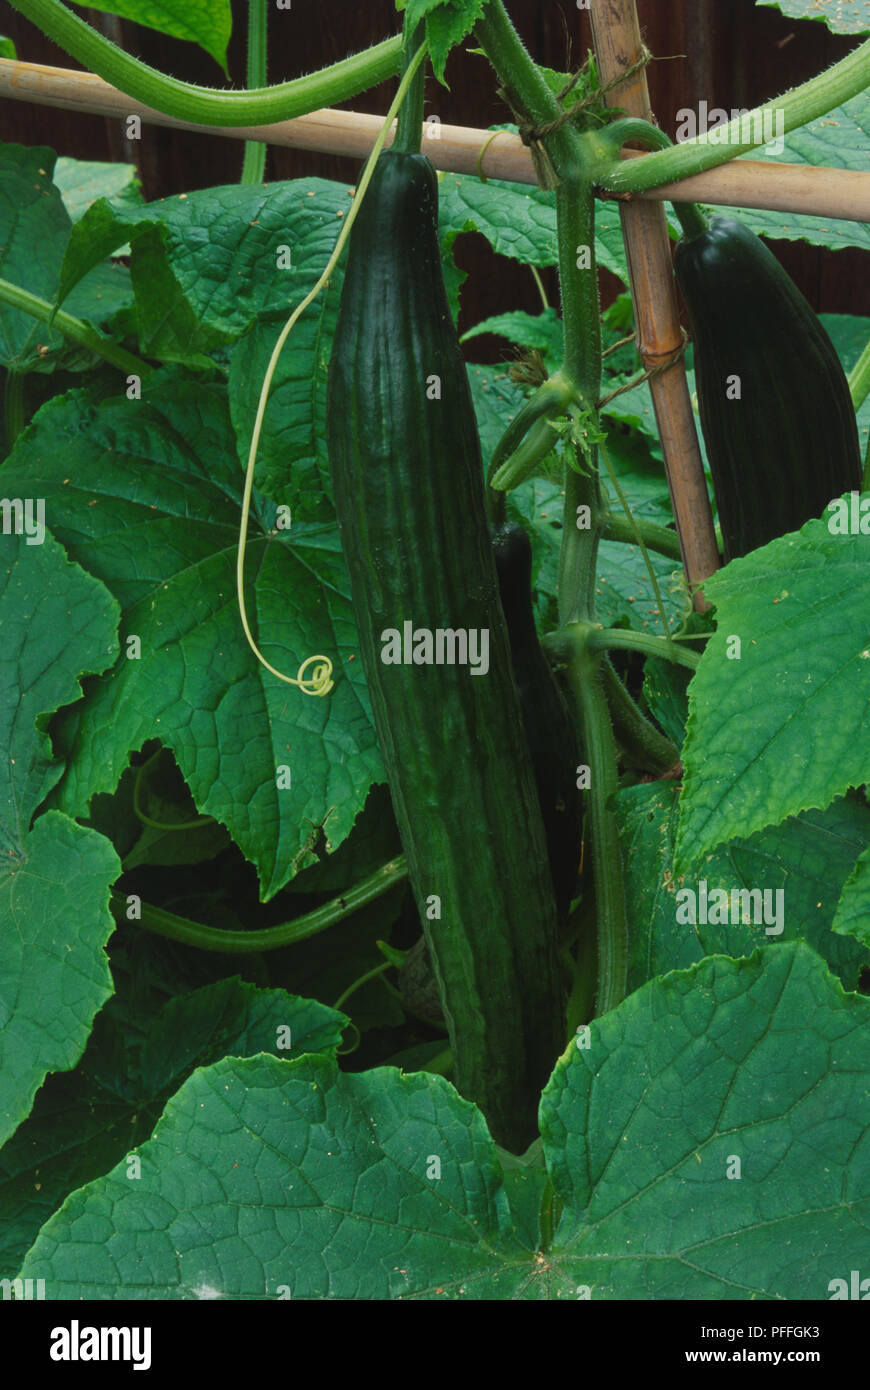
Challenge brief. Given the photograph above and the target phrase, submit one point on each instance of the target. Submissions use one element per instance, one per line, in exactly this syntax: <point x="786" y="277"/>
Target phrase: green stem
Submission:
<point x="363" y="980"/>
<point x="642" y="742"/>
<point x="607" y="143"/>
<point x="254" y="163"/>
<point x="859" y="378"/>
<point x="691" y="219"/>
<point x="525" y="83"/>
<point x="606" y="639"/>
<point x="162" y="923"/>
<point x="815" y="98"/>
<point x="578" y="558"/>
<point x="505" y="467"/>
<point x="409" y="128"/>
<point x="536" y="276"/>
<point x="578" y="280"/>
<point x="584" y="679"/>
<point x="14" y="407"/>
<point x="611" y="138"/>
<point x="655" y="537"/>
<point x="193" y="824"/>
<point x="75" y="329"/>
<point x="865" y="482"/>
<point x="209" y="105"/>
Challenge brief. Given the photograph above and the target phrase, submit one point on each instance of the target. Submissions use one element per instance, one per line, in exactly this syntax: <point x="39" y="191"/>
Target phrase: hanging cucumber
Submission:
<point x="776" y="413"/>
<point x="549" y="729"/>
<point x="408" y="486"/>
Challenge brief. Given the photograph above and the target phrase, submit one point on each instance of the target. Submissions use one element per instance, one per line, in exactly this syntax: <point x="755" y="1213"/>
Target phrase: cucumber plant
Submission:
<point x="635" y="836"/>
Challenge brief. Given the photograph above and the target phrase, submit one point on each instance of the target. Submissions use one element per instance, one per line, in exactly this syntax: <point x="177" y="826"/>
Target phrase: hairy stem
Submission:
<point x="163" y="923"/>
<point x="859" y="378"/>
<point x="658" y="538"/>
<point x="604" y="639"/>
<point x="409" y="129"/>
<point x="210" y="105"/>
<point x="254" y="162"/>
<point x="641" y="740"/>
<point x="691" y="219"/>
<point x="587" y="689"/>
<point x="795" y="108"/>
<point x="75" y="329"/>
<point x="578" y="277"/>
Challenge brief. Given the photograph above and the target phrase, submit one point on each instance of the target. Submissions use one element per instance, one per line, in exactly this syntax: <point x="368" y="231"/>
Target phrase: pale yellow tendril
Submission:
<point x="320" y="681"/>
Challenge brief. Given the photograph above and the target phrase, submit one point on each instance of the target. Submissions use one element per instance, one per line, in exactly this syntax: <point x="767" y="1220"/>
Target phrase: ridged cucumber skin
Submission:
<point x="550" y="732"/>
<point x="780" y="454"/>
<point x="408" y="487"/>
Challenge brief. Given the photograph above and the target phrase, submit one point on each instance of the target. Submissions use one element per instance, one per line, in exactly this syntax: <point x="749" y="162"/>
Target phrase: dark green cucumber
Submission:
<point x="550" y="732"/>
<point x="408" y="487"/>
<point x="789" y="445"/>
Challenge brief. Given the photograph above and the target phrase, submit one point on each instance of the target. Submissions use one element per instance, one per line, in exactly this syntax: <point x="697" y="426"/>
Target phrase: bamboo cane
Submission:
<point x="659" y="336"/>
<point x="823" y="192"/>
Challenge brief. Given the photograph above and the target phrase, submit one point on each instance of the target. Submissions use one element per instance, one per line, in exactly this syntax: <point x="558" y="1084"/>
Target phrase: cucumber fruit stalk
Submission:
<point x="777" y="417"/>
<point x="408" y="485"/>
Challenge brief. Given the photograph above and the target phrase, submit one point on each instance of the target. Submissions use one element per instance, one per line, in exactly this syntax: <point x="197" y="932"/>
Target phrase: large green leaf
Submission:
<point x="265" y="1175"/>
<point x="206" y="22"/>
<point x="205" y="264"/>
<point x="32" y="215"/>
<point x="447" y="24"/>
<point x="54" y="923"/>
<point x="147" y="495"/>
<point x="762" y="1062"/>
<point x="543" y="332"/>
<point x="850" y="335"/>
<point x="837" y="140"/>
<point x="58" y="623"/>
<point x="841" y="16"/>
<point x="807" y="860"/>
<point x="783" y="728"/>
<point x="292" y="462"/>
<point x="87" y="1120"/>
<point x="273" y="1179"/>
<point x="519" y="221"/>
<point x="853" y="910"/>
<point x="82" y="182"/>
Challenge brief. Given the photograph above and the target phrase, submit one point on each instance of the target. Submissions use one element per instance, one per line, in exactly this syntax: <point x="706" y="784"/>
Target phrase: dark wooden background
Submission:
<point x="729" y="54"/>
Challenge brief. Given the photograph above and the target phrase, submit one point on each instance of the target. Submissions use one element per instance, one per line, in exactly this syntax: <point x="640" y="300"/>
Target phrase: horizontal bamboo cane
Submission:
<point x="823" y="192"/>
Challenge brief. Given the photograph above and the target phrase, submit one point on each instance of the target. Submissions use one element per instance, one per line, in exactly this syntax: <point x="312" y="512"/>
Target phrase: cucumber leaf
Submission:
<point x="272" y="1179"/>
<point x="780" y="726"/>
<point x="206" y="22"/>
